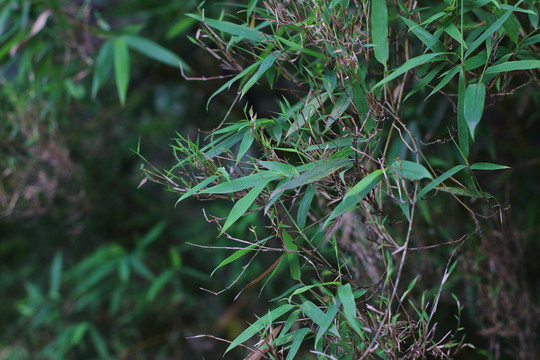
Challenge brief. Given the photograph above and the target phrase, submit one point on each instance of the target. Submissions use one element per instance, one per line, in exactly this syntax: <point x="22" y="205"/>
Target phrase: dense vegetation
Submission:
<point x="372" y="170"/>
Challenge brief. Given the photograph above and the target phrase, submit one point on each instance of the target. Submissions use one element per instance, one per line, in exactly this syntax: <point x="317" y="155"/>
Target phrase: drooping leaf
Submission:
<point x="247" y="140"/>
<point x="464" y="192"/>
<point x="473" y="106"/>
<point x="103" y="67"/>
<point x="292" y="256"/>
<point x="327" y="320"/>
<point x="463" y="129"/>
<point x="259" y="325"/>
<point x="121" y="68"/>
<point x="280" y="168"/>
<point x="349" y="307"/>
<point x="305" y="204"/>
<point x="379" y="32"/>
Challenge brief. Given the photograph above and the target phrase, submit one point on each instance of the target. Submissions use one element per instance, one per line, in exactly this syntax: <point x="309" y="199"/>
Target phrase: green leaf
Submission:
<point x="346" y="296"/>
<point x="411" y="170"/>
<point x="440" y="179"/>
<point x="243" y="204"/>
<point x="239" y="184"/>
<point x="313" y="312"/>
<point x="463" y="131"/>
<point x="319" y="172"/>
<point x="298" y="336"/>
<point x="230" y="28"/>
<point x="103" y="67"/>
<point x="259" y="325"/>
<point x="247" y="140"/>
<point x="379" y="30"/>
<point x="355" y="195"/>
<point x="513" y="66"/>
<point x="305" y="204"/>
<point x="410" y="64"/>
<point x="464" y="192"/>
<point x="449" y="75"/>
<point x="266" y="64"/>
<point x="292" y="256"/>
<point x="473" y="106"/>
<point x="327" y="320"/>
<point x="121" y="68"/>
<point x="280" y="168"/>
<point x="154" y="51"/>
<point x="494" y="27"/>
<point x="237" y="255"/>
<point x="427" y="38"/>
<point x="425" y="80"/>
<point x="228" y="84"/>
<point x="158" y="284"/>
<point x="56" y="275"/>
<point x="197" y="187"/>
<point x="488" y="166"/>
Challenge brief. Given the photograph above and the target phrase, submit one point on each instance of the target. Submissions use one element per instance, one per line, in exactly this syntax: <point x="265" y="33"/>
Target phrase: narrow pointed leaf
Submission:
<point x="259" y="325"/>
<point x="305" y="204"/>
<point x="473" y="106"/>
<point x="197" y="187"/>
<point x="242" y="31"/>
<point x="463" y="130"/>
<point x="355" y="195"/>
<point x="292" y="256"/>
<point x="513" y="66"/>
<point x="103" y="66"/>
<point x="409" y="65"/>
<point x="240" y="184"/>
<point x="298" y="336"/>
<point x="379" y="30"/>
<point x="154" y="51"/>
<point x="440" y="179"/>
<point x="349" y="307"/>
<point x="121" y="68"/>
<point x="488" y="166"/>
<point x="243" y="204"/>
<point x="266" y="64"/>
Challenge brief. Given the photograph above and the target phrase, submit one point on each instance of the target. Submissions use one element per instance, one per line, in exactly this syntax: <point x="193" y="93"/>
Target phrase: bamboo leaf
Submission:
<point x="154" y="51"/>
<point x="346" y="296"/>
<point x="488" y="166"/>
<point x="513" y="66"/>
<point x="410" y="170"/>
<point x="431" y="41"/>
<point x="319" y="172"/>
<point x="197" y="187"/>
<point x="440" y="179"/>
<point x="103" y="66"/>
<point x="410" y="64"/>
<point x="355" y="195"/>
<point x="292" y="256"/>
<point x="463" y="131"/>
<point x="230" y="28"/>
<point x="494" y="27"/>
<point x="121" y="68"/>
<point x="473" y="106"/>
<point x="379" y="30"/>
<point x="305" y="204"/>
<point x="259" y="325"/>
<point x="243" y="204"/>
<point x="298" y="336"/>
<point x="266" y="64"/>
<point x="240" y="183"/>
